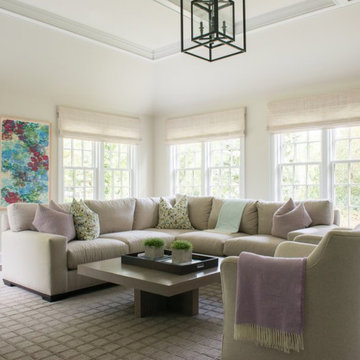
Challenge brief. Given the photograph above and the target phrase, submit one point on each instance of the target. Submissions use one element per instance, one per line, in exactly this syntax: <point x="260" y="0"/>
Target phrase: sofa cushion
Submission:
<point x="320" y="211"/>
<point x="258" y="244"/>
<point x="172" y="232"/>
<point x="199" y="208"/>
<point x="207" y="242"/>
<point x="86" y="221"/>
<point x="249" y="220"/>
<point x="114" y="215"/>
<point x="54" y="222"/>
<point x="174" y="217"/>
<point x="135" y="238"/>
<point x="318" y="230"/>
<point x="147" y="212"/>
<point x="82" y="252"/>
<point x="21" y="216"/>
<point x="289" y="217"/>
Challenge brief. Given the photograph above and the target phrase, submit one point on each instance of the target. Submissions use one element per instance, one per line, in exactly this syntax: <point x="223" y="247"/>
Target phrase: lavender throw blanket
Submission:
<point x="269" y="307"/>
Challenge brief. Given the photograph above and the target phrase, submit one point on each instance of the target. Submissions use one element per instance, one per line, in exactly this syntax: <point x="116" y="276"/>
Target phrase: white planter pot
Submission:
<point x="179" y="256"/>
<point x="154" y="252"/>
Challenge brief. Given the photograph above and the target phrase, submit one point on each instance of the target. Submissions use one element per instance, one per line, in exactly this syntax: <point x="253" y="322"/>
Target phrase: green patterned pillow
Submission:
<point x="174" y="217"/>
<point x="86" y="221"/>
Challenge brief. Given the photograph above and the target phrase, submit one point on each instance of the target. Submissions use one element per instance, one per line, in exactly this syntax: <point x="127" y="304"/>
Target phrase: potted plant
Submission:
<point x="154" y="248"/>
<point x="181" y="251"/>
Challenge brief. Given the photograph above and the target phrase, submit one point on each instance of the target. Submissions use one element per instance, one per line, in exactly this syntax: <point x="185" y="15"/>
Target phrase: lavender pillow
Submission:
<point x="54" y="206"/>
<point x="289" y="218"/>
<point x="54" y="222"/>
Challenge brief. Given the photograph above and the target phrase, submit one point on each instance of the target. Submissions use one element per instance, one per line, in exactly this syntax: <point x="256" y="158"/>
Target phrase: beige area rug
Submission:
<point x="100" y="325"/>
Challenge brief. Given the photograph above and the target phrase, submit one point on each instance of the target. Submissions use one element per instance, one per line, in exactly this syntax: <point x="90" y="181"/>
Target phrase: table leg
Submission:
<point x="147" y="303"/>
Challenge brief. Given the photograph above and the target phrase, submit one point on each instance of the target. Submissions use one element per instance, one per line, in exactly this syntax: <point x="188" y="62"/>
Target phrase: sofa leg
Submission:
<point x="8" y="283"/>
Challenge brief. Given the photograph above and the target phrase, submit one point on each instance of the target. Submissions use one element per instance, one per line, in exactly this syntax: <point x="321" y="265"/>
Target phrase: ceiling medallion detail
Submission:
<point x="211" y="30"/>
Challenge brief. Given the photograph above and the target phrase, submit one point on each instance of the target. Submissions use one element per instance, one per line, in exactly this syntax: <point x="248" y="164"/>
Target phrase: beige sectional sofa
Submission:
<point x="47" y="263"/>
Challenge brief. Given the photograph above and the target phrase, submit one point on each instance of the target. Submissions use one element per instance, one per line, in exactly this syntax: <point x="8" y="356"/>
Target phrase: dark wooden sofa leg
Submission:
<point x="8" y="283"/>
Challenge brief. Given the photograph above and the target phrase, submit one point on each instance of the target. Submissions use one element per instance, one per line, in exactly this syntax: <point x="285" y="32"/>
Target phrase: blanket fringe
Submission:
<point x="271" y="338"/>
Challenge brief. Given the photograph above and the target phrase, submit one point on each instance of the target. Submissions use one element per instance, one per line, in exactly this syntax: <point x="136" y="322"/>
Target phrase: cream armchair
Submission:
<point x="332" y="301"/>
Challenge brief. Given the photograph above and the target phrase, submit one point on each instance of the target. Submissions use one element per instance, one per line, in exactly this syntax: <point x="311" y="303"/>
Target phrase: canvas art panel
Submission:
<point x="25" y="161"/>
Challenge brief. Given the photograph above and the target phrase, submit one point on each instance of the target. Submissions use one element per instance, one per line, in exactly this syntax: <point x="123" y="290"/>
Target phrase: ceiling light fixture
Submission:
<point x="210" y="35"/>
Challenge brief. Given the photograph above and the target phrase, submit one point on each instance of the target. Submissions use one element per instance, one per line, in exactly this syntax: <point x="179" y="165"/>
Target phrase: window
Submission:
<point x="93" y="170"/>
<point x="188" y="171"/>
<point x="117" y="170"/>
<point x="321" y="164"/>
<point x="299" y="165"/>
<point x="208" y="168"/>
<point x="346" y="173"/>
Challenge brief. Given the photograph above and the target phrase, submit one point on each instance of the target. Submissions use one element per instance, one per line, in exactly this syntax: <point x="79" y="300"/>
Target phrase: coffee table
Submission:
<point x="154" y="290"/>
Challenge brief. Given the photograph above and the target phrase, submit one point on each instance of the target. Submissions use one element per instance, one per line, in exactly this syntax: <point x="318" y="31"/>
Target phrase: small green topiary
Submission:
<point x="181" y="245"/>
<point x="155" y="242"/>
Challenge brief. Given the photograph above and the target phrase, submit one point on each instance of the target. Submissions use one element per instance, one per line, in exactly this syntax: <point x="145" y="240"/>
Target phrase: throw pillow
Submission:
<point x="289" y="218"/>
<point x="86" y="221"/>
<point x="174" y="217"/>
<point x="54" y="222"/>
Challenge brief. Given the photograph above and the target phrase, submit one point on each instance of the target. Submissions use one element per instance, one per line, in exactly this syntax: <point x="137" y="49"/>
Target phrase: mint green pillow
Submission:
<point x="86" y="221"/>
<point x="174" y="217"/>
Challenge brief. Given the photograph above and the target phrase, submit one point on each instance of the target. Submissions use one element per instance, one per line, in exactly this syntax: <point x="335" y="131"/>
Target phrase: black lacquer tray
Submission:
<point x="199" y="262"/>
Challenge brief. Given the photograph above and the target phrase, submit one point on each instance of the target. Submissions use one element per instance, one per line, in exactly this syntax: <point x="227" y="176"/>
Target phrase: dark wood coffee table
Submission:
<point x="154" y="290"/>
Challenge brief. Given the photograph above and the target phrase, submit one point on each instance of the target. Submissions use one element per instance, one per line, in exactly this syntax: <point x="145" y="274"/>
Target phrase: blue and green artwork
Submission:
<point x="25" y="151"/>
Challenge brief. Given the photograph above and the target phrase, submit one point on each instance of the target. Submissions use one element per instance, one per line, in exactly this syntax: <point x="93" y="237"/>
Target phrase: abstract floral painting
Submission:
<point x="25" y="160"/>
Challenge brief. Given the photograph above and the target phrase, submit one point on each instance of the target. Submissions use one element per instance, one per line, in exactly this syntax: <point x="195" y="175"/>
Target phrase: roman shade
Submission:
<point x="205" y="127"/>
<point x="89" y="125"/>
<point x="321" y="111"/>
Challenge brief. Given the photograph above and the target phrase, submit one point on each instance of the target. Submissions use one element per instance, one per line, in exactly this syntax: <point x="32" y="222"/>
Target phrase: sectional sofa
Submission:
<point x="47" y="264"/>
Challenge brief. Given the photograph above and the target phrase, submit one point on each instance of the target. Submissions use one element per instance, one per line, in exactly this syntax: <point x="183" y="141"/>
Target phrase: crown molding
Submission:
<point x="32" y="13"/>
<point x="38" y="15"/>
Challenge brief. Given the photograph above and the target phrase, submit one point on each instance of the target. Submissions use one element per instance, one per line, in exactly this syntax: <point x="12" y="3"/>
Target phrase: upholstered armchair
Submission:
<point x="332" y="301"/>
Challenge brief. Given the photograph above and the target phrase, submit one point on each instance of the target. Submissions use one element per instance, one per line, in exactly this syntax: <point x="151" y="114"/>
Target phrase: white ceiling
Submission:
<point x="149" y="28"/>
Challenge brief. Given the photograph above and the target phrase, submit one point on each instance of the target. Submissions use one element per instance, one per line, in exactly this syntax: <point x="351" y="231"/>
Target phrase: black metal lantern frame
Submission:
<point x="212" y="29"/>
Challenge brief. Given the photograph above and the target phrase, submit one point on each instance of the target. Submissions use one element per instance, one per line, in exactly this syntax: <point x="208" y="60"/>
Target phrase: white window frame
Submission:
<point x="327" y="186"/>
<point x="277" y="161"/>
<point x="205" y="168"/>
<point x="99" y="170"/>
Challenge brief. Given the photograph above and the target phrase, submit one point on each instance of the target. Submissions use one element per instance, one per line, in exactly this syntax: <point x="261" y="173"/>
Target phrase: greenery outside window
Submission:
<point x="94" y="170"/>
<point x="208" y="168"/>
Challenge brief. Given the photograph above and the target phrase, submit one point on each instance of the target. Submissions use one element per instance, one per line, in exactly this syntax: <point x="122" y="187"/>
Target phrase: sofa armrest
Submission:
<point x="292" y="249"/>
<point x="35" y="260"/>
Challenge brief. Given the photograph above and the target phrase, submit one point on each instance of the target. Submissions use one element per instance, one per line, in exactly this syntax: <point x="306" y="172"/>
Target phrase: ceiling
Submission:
<point x="149" y="28"/>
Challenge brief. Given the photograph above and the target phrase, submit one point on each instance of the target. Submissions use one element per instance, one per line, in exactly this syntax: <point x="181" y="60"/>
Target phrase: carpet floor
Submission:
<point x="101" y="325"/>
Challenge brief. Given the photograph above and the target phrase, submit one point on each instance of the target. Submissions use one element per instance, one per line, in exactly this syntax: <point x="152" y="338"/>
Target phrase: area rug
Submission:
<point x="100" y="325"/>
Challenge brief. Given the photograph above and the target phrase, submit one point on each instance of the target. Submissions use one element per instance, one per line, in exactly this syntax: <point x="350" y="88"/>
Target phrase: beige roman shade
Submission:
<point x="89" y="125"/>
<point x="204" y="127"/>
<point x="321" y="111"/>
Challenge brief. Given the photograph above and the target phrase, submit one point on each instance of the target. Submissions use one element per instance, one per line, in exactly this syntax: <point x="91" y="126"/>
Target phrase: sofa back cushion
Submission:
<point x="199" y="208"/>
<point x="21" y="216"/>
<point x="114" y="215"/>
<point x="320" y="211"/>
<point x="249" y="220"/>
<point x="147" y="212"/>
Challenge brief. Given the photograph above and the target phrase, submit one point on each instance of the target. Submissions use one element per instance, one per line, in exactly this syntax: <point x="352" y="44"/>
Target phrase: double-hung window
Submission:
<point x="207" y="153"/>
<point x="94" y="170"/>
<point x="97" y="154"/>
<point x="209" y="168"/>
<point x="321" y="163"/>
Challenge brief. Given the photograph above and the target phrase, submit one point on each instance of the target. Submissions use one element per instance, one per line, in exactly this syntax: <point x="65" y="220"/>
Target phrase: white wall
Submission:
<point x="41" y="68"/>
<point x="316" y="54"/>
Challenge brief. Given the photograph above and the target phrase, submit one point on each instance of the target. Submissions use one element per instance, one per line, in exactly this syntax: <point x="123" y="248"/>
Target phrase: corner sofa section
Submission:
<point x="47" y="263"/>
